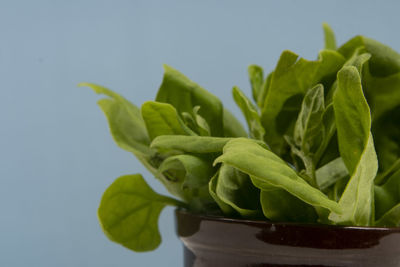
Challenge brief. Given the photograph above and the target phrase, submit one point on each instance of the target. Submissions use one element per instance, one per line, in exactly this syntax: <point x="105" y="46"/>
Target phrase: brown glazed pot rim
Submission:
<point x="211" y="240"/>
<point x="222" y="219"/>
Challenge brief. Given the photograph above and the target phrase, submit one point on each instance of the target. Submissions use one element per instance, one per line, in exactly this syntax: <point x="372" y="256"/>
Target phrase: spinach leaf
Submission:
<point x="353" y="122"/>
<point x="383" y="177"/>
<point x="256" y="75"/>
<point x="330" y="173"/>
<point x="308" y="127"/>
<point x="187" y="176"/>
<point x="387" y="195"/>
<point x="189" y="144"/>
<point x="390" y="218"/>
<point x="125" y="121"/>
<point x="383" y="94"/>
<point x="177" y="90"/>
<point x="264" y="91"/>
<point x="279" y="205"/>
<point x="202" y="125"/>
<point x="291" y="79"/>
<point x="225" y="208"/>
<point x="127" y="126"/>
<point x="161" y="119"/>
<point x="384" y="60"/>
<point x="330" y="41"/>
<point x="386" y="132"/>
<point x="308" y="130"/>
<point x="266" y="169"/>
<point x="250" y="113"/>
<point x="235" y="189"/>
<point x="352" y="117"/>
<point x="129" y="211"/>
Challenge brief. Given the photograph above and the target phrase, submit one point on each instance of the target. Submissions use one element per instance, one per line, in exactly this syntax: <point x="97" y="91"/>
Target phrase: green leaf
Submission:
<point x="391" y="218"/>
<point x="187" y="177"/>
<point x="125" y="122"/>
<point x="330" y="173"/>
<point x="190" y="144"/>
<point x="386" y="132"/>
<point x="256" y="75"/>
<point x="330" y="41"/>
<point x="357" y="150"/>
<point x="329" y="130"/>
<point x="127" y="126"/>
<point x="387" y="195"/>
<point x="266" y="169"/>
<point x="357" y="200"/>
<point x="250" y="113"/>
<point x="384" y="60"/>
<point x="225" y="208"/>
<point x="290" y="81"/>
<point x="232" y="127"/>
<point x="129" y="211"/>
<point x="203" y="127"/>
<point x="383" y="177"/>
<point x="264" y="91"/>
<point x="308" y="127"/>
<point x="383" y="94"/>
<point x="353" y="120"/>
<point x="235" y="189"/>
<point x="279" y="205"/>
<point x="161" y="119"/>
<point x="177" y="90"/>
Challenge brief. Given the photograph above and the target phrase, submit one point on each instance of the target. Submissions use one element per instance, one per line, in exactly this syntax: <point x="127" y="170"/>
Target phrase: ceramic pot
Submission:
<point x="222" y="242"/>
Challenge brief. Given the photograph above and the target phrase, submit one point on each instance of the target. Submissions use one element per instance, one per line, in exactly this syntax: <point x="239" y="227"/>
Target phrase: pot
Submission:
<point x="211" y="241"/>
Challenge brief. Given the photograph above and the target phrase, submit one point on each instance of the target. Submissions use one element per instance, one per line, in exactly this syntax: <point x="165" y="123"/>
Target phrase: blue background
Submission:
<point x="56" y="154"/>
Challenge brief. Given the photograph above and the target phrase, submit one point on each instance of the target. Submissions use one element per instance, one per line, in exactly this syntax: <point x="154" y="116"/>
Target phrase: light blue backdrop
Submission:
<point x="56" y="155"/>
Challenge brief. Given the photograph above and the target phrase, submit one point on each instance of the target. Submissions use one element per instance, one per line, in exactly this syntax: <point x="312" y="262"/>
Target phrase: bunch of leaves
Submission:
<point x="323" y="145"/>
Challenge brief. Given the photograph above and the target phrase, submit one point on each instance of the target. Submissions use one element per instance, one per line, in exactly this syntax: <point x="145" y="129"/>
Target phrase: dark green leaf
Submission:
<point x="235" y="189"/>
<point x="279" y="205"/>
<point x="387" y="195"/>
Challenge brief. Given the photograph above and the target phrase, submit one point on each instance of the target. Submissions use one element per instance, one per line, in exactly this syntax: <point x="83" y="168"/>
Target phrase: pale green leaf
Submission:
<point x="256" y="76"/>
<point x="129" y="211"/>
<point x="161" y="119"/>
<point x="330" y="41"/>
<point x="353" y="120"/>
<point x="330" y="173"/>
<point x="190" y="144"/>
